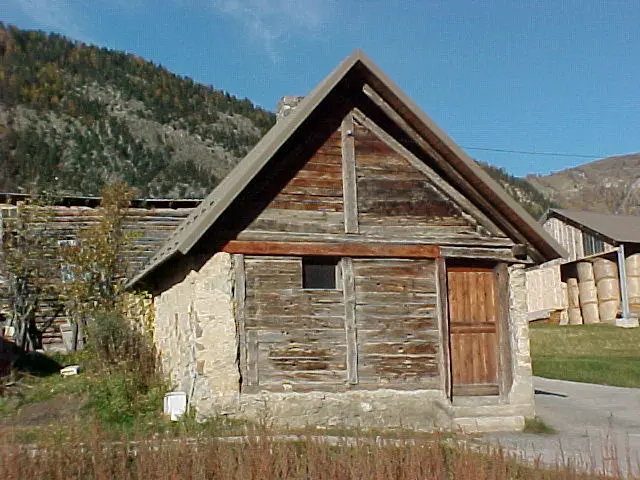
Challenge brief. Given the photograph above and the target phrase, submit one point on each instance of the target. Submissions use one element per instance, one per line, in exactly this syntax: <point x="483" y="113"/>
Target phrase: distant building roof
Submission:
<point x="12" y="198"/>
<point x="619" y="228"/>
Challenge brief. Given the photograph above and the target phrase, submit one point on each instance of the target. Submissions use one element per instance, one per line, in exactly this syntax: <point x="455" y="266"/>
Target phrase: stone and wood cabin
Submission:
<point x="598" y="280"/>
<point x="356" y="268"/>
<point x="150" y="220"/>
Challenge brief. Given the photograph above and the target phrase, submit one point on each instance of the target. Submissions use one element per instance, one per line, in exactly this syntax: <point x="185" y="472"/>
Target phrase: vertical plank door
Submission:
<point x="473" y="322"/>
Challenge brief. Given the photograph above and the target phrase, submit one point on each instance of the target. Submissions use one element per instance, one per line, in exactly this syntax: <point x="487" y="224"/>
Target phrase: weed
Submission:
<point x="262" y="456"/>
<point x="536" y="425"/>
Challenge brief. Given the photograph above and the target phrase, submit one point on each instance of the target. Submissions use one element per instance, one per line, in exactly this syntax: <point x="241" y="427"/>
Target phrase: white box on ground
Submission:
<point x="175" y="405"/>
<point x="629" y="322"/>
<point x="70" y="370"/>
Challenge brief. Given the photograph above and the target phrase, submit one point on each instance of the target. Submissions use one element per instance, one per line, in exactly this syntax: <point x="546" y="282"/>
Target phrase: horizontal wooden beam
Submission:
<point x="389" y="250"/>
<point x="477" y="328"/>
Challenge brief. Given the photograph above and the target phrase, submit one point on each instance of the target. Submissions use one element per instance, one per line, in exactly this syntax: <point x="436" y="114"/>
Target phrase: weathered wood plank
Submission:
<point x="472" y="193"/>
<point x="497" y="254"/>
<point x="376" y="328"/>
<point x="350" y="319"/>
<point x="399" y="310"/>
<point x="331" y="249"/>
<point x="349" y="176"/>
<point x="398" y="336"/>
<point x="433" y="177"/>
<point x="252" y="358"/>
<point x="293" y="306"/>
<point x="444" y="362"/>
<point x="432" y="235"/>
<point x="405" y="284"/>
<point x="295" y="320"/>
<point x="382" y="298"/>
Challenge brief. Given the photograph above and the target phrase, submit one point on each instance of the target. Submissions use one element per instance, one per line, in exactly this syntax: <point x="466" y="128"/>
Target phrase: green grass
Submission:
<point x="602" y="354"/>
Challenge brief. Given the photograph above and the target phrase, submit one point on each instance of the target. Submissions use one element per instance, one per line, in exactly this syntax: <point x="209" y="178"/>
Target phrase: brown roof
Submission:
<point x="619" y="228"/>
<point x="358" y="72"/>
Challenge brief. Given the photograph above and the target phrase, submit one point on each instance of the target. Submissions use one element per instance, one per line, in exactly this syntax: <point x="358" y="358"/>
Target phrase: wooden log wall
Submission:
<point x="358" y="192"/>
<point x="295" y="338"/>
<point x="150" y="227"/>
<point x="355" y="173"/>
<point x="396" y="199"/>
<point x="299" y="339"/>
<point x="311" y="201"/>
<point x="397" y="323"/>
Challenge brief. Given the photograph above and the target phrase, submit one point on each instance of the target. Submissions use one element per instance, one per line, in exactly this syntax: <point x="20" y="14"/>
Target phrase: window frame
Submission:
<point x="335" y="262"/>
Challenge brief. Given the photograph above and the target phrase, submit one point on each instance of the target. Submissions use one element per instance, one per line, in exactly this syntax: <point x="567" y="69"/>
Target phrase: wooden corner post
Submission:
<point x="505" y="378"/>
<point x="349" y="289"/>
<point x="443" y="316"/>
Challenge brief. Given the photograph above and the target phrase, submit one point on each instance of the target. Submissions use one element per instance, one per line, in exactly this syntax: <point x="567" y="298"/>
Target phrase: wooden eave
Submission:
<point x="354" y="76"/>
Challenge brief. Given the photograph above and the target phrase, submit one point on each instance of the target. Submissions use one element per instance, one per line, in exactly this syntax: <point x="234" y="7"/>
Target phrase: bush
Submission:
<point x="122" y="398"/>
<point x="132" y="387"/>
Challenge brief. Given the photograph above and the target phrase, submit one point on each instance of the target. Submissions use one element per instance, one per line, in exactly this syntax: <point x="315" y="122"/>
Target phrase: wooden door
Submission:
<point x="473" y="330"/>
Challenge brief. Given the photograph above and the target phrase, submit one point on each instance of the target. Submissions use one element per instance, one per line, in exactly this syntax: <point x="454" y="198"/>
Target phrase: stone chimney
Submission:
<point x="286" y="105"/>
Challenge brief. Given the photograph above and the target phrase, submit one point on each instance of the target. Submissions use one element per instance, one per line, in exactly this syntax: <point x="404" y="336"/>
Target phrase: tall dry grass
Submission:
<point x="260" y="456"/>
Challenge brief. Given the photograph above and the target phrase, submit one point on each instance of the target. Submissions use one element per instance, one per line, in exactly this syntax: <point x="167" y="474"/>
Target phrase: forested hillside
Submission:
<point x="74" y="117"/>
<point x="519" y="188"/>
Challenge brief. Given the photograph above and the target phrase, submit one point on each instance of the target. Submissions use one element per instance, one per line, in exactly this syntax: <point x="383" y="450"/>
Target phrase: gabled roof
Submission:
<point x="619" y="228"/>
<point x="357" y="73"/>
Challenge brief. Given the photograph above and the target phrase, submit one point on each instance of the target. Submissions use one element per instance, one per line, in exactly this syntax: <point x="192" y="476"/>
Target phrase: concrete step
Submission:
<point x="470" y="411"/>
<point x="514" y="423"/>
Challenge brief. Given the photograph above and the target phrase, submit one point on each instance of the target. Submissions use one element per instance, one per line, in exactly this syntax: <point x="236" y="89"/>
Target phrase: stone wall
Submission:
<point x="195" y="333"/>
<point x="425" y="410"/>
<point x="522" y="389"/>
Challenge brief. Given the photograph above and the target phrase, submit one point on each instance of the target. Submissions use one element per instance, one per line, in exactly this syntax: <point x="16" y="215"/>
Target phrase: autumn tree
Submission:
<point x="95" y="268"/>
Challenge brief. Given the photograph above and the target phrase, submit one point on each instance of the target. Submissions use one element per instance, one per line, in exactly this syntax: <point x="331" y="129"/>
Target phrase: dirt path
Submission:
<point x="597" y="426"/>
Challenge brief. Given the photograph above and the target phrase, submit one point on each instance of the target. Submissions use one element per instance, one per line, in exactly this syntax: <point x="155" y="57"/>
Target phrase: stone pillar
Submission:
<point x="286" y="105"/>
<point x="522" y="388"/>
<point x="195" y="334"/>
<point x="216" y="343"/>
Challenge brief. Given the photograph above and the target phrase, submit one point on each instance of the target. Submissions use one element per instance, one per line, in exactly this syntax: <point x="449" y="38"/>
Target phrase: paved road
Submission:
<point x="595" y="425"/>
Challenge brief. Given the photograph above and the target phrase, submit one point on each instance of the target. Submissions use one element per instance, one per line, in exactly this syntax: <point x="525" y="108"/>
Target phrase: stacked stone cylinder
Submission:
<point x="605" y="273"/>
<point x="633" y="281"/>
<point x="588" y="293"/>
<point x="594" y="296"/>
<point x="573" y="300"/>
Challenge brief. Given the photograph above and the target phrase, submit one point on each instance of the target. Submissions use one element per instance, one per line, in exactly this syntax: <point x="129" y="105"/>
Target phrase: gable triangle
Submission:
<point x="396" y="188"/>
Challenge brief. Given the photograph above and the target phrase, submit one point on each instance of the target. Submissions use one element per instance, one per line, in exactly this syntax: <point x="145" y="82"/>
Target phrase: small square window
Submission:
<point x="321" y="273"/>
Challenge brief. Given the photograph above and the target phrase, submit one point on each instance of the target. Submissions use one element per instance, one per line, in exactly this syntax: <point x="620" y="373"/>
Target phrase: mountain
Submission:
<point x="609" y="185"/>
<point x="74" y="117"/>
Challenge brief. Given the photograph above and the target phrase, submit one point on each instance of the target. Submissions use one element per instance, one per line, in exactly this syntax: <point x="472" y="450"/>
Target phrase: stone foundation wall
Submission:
<point x="425" y="410"/>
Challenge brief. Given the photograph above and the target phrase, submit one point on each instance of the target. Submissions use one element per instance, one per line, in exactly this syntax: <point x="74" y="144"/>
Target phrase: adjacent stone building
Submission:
<point x="355" y="269"/>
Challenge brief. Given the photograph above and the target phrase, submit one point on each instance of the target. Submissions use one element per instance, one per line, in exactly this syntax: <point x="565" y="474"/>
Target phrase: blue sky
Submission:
<point x="537" y="76"/>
